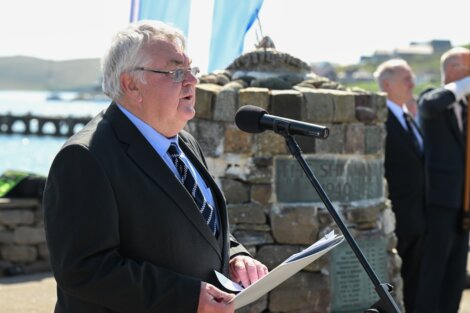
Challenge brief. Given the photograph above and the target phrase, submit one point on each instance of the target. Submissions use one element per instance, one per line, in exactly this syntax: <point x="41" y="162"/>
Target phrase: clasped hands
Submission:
<point x="243" y="269"/>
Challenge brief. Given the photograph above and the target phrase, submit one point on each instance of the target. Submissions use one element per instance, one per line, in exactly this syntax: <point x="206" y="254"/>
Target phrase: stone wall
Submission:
<point x="273" y="209"/>
<point x="22" y="237"/>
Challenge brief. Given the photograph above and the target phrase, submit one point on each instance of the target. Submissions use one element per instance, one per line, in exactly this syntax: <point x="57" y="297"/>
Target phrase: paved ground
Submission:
<point x="36" y="294"/>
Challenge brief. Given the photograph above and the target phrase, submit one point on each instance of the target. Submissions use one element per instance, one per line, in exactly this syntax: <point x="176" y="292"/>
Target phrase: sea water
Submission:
<point x="35" y="153"/>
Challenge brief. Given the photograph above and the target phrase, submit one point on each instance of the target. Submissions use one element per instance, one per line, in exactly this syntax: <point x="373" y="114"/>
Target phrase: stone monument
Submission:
<point x="273" y="209"/>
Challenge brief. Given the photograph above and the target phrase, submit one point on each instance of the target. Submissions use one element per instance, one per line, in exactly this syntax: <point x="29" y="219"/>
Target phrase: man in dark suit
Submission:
<point x="134" y="221"/>
<point x="443" y="114"/>
<point x="404" y="170"/>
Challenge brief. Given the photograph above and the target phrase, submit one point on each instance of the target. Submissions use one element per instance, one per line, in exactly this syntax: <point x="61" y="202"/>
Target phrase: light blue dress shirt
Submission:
<point x="161" y="144"/>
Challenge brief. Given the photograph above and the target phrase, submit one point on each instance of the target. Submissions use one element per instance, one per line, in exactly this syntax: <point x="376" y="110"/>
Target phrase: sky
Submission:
<point x="339" y="31"/>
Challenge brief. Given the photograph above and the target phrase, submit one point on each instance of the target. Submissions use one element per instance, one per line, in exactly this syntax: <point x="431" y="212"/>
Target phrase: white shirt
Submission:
<point x="398" y="111"/>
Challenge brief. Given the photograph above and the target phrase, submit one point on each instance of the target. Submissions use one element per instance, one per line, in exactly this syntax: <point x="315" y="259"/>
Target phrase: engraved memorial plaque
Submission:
<point x="351" y="288"/>
<point x="344" y="178"/>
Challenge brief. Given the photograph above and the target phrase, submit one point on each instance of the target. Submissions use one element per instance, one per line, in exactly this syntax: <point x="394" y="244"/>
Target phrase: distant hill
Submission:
<point x="27" y="73"/>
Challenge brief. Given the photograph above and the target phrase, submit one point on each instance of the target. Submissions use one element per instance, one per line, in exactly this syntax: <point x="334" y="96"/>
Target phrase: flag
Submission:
<point x="213" y="42"/>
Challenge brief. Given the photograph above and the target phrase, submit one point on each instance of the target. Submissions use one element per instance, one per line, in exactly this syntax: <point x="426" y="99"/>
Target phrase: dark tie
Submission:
<point x="410" y="124"/>
<point x="191" y="185"/>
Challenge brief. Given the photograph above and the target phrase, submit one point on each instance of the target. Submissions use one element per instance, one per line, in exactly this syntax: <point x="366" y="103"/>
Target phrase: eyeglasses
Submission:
<point x="177" y="75"/>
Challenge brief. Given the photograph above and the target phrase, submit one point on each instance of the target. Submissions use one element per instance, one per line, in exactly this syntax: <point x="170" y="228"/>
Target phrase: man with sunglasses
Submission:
<point x="134" y="221"/>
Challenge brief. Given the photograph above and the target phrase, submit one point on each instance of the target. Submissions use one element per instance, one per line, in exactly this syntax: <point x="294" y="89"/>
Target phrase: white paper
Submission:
<point x="286" y="269"/>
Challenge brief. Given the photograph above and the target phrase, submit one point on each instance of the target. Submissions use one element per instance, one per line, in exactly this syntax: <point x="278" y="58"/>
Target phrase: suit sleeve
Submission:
<point x="432" y="102"/>
<point x="82" y="228"/>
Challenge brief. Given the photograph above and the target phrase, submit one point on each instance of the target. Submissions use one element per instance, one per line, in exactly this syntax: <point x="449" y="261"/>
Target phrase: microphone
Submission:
<point x="252" y="119"/>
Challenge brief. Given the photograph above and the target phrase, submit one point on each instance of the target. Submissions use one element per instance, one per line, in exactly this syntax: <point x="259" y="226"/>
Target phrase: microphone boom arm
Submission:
<point x="386" y="303"/>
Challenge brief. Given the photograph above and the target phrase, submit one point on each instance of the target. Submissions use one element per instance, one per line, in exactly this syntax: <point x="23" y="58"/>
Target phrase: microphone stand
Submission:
<point x="386" y="303"/>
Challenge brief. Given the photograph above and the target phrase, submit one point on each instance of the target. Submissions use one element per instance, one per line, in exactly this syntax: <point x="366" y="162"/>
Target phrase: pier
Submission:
<point x="57" y="126"/>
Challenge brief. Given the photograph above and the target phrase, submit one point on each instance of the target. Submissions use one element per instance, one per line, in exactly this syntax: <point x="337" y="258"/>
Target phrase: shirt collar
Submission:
<point x="159" y="142"/>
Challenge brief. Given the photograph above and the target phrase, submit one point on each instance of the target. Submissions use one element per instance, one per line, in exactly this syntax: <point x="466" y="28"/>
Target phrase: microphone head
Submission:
<point x="248" y="119"/>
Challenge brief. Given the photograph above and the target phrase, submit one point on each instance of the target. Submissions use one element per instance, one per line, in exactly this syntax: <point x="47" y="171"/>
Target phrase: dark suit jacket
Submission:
<point x="404" y="170"/>
<point x="124" y="235"/>
<point x="444" y="148"/>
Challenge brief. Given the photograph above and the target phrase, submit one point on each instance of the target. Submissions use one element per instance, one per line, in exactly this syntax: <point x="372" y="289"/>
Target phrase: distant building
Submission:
<point x="407" y="53"/>
<point x="440" y="46"/>
<point x="380" y="56"/>
<point x="437" y="46"/>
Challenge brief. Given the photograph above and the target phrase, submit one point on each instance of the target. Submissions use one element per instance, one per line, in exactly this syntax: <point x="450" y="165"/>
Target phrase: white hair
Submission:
<point x="127" y="51"/>
<point x="387" y="69"/>
<point x="449" y="57"/>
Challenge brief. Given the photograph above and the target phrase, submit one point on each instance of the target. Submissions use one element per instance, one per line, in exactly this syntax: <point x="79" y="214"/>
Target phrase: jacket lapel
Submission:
<point x="402" y="134"/>
<point x="148" y="160"/>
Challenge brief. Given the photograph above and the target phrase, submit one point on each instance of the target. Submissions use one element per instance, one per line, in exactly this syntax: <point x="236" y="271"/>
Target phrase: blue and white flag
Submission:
<point x="215" y="29"/>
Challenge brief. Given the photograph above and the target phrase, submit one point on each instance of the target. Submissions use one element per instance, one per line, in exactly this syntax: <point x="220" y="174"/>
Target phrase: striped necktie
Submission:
<point x="410" y="124"/>
<point x="191" y="185"/>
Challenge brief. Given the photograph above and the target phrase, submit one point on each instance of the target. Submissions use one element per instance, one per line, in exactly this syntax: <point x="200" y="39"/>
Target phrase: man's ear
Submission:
<point x="129" y="86"/>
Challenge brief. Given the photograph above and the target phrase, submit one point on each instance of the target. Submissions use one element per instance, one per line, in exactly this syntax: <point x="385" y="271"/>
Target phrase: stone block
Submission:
<point x="374" y="139"/>
<point x="39" y="217"/>
<point x="6" y="237"/>
<point x="294" y="225"/>
<point x="19" y="253"/>
<point x="352" y="290"/>
<point x="379" y="101"/>
<point x="237" y="166"/>
<point x="226" y="102"/>
<point x="235" y="191"/>
<point x="254" y="96"/>
<point x="252" y="227"/>
<point x="253" y="238"/>
<point x="355" y="139"/>
<point x="269" y="144"/>
<point x="249" y="213"/>
<point x="363" y="215"/>
<point x="217" y="167"/>
<point x="273" y="255"/>
<point x="261" y="193"/>
<point x="306" y="144"/>
<point x="29" y="235"/>
<point x="388" y="221"/>
<point x="335" y="143"/>
<point x="344" y="178"/>
<point x="366" y="112"/>
<point x="13" y="218"/>
<point x="259" y="170"/>
<point x="344" y="103"/>
<point x="286" y="103"/>
<point x="319" y="105"/>
<point x="205" y="100"/>
<point x="237" y="141"/>
<point x="303" y="292"/>
<point x="210" y="136"/>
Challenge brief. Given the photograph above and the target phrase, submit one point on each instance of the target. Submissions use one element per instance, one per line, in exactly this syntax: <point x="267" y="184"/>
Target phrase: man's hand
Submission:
<point x="214" y="300"/>
<point x="460" y="88"/>
<point x="246" y="270"/>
